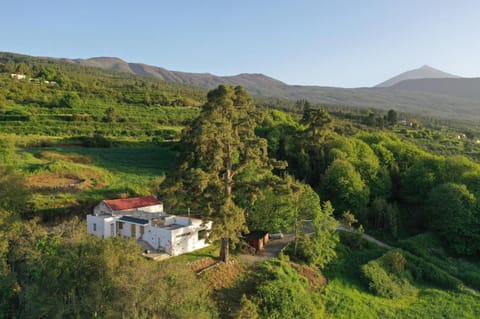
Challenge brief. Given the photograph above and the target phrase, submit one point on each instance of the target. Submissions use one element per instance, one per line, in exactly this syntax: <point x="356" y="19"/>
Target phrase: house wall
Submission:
<point x="127" y="230"/>
<point x="154" y="209"/>
<point x="186" y="239"/>
<point x="138" y="213"/>
<point x="177" y="241"/>
<point x="159" y="237"/>
<point x="101" y="226"/>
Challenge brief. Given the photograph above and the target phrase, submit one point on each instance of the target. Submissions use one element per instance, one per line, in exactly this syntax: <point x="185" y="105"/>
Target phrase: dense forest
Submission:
<point x="71" y="136"/>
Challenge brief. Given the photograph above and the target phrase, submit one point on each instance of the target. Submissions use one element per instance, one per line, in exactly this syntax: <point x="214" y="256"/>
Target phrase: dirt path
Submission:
<point x="271" y="250"/>
<point x="366" y="237"/>
<point x="274" y="246"/>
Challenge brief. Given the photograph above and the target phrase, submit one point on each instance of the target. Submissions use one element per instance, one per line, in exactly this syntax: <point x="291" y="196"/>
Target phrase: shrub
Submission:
<point x="395" y="261"/>
<point x="96" y="140"/>
<point x="385" y="284"/>
<point x="283" y="293"/>
<point x="248" y="309"/>
<point x="423" y="270"/>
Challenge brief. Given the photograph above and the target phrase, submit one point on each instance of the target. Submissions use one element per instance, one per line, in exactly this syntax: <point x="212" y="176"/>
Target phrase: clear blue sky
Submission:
<point x="332" y="43"/>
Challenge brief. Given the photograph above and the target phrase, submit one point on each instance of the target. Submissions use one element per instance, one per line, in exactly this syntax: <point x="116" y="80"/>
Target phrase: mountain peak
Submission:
<point x="425" y="67"/>
<point x="423" y="72"/>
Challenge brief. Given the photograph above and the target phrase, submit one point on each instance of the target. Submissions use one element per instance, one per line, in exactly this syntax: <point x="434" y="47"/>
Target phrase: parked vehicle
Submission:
<point x="276" y="235"/>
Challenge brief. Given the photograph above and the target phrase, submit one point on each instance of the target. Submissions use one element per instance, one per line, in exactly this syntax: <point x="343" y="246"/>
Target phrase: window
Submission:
<point x="94" y="227"/>
<point x="202" y="234"/>
<point x="120" y="225"/>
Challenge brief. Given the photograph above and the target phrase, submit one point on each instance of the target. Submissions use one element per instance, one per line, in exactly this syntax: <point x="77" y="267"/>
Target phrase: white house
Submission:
<point x="18" y="76"/>
<point x="143" y="218"/>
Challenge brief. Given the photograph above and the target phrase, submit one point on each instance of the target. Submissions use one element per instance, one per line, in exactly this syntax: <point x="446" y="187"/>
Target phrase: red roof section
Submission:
<point x="130" y="203"/>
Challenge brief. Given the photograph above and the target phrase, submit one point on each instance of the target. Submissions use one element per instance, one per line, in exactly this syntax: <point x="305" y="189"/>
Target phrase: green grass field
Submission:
<point x="69" y="180"/>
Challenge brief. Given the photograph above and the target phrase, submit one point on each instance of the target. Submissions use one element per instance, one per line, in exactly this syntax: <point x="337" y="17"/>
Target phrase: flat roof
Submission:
<point x="172" y="226"/>
<point x="134" y="220"/>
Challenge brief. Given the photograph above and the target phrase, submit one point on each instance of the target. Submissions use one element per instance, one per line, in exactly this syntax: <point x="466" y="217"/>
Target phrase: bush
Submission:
<point x="383" y="283"/>
<point x="423" y="270"/>
<point x="283" y="293"/>
<point x="96" y="140"/>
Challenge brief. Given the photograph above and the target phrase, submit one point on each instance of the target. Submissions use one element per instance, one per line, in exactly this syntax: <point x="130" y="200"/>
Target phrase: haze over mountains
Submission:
<point x="426" y="90"/>
<point x="424" y="72"/>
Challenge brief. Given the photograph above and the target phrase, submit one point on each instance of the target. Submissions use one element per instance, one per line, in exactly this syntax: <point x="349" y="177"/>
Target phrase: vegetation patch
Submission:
<point x="386" y="276"/>
<point x="56" y="182"/>
<point x="55" y="156"/>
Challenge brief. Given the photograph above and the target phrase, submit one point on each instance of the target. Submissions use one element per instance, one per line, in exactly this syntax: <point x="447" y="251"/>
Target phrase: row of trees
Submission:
<point x="386" y="183"/>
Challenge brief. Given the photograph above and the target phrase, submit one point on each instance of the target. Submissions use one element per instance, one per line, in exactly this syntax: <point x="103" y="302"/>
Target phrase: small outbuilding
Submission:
<point x="257" y="239"/>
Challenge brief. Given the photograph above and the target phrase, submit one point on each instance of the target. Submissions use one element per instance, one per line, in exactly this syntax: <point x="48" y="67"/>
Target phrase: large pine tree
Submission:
<point x="223" y="163"/>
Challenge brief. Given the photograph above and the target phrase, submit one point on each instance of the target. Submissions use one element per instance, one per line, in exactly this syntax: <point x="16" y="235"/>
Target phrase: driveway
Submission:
<point x="271" y="250"/>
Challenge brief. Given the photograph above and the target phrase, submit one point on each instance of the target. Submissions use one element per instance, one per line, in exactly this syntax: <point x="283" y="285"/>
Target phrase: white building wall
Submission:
<point x="152" y="209"/>
<point x="126" y="230"/>
<point x="173" y="241"/>
<point x="159" y="237"/>
<point x="186" y="240"/>
<point x="101" y="226"/>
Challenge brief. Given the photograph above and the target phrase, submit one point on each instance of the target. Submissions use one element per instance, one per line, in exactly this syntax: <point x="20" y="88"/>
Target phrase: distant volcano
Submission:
<point x="425" y="72"/>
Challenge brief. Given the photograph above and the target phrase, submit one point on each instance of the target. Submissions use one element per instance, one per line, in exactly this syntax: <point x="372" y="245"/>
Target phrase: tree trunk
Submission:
<point x="224" y="250"/>
<point x="296" y="238"/>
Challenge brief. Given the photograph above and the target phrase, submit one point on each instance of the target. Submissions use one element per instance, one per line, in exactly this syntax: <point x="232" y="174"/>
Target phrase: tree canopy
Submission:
<point x="223" y="158"/>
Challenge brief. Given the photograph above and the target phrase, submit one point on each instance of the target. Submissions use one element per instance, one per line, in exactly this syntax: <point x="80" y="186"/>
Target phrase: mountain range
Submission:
<point x="439" y="95"/>
<point x="425" y="90"/>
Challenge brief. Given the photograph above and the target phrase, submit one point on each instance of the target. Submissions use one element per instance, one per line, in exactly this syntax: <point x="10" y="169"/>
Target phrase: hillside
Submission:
<point x="149" y="85"/>
<point x="408" y="101"/>
<point x="424" y="72"/>
<point x="461" y="87"/>
<point x="96" y="134"/>
<point x="204" y="80"/>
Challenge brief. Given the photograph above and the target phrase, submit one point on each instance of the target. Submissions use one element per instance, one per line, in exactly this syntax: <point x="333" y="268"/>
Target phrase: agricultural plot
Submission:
<point x="70" y="180"/>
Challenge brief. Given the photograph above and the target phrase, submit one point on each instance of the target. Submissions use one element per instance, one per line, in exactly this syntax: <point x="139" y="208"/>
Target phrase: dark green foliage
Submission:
<point x="14" y="193"/>
<point x="387" y="275"/>
<point x="384" y="216"/>
<point x="454" y="214"/>
<point x="383" y="283"/>
<point x="70" y="100"/>
<point x="318" y="248"/>
<point x="428" y="272"/>
<point x="110" y="114"/>
<point x="347" y="294"/>
<point x="70" y="274"/>
<point x="344" y="186"/>
<point x="390" y="275"/>
<point x="222" y="164"/>
<point x="282" y="293"/>
<point x="392" y="117"/>
<point x="248" y="309"/>
<point x="97" y="140"/>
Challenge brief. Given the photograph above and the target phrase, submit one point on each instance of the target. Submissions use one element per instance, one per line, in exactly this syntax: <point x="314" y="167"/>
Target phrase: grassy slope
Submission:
<point x="347" y="296"/>
<point x="70" y="180"/>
